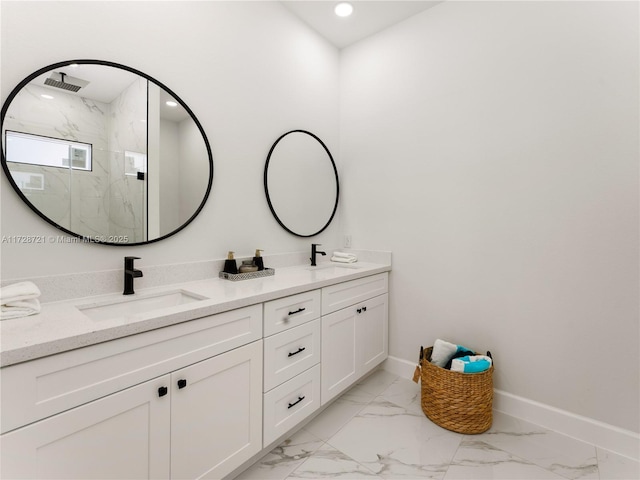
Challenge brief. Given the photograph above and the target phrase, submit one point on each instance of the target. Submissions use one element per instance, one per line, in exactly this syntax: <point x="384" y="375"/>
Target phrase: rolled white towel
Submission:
<point x="18" y="291"/>
<point x="19" y="308"/>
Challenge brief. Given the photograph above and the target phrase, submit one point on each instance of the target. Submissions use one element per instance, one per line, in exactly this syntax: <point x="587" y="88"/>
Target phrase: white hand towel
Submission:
<point x="19" y="308"/>
<point x="344" y="257"/>
<point x="343" y="254"/>
<point x="18" y="291"/>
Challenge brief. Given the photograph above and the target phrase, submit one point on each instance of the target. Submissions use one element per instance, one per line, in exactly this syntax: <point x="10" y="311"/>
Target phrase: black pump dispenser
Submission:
<point x="257" y="260"/>
<point x="230" y="265"/>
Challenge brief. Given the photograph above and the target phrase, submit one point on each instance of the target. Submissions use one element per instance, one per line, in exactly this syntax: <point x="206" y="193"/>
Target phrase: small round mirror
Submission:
<point x="105" y="152"/>
<point x="301" y="183"/>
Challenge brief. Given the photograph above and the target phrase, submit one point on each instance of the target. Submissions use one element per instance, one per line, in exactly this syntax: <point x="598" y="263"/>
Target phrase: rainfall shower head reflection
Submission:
<point x="65" y="82"/>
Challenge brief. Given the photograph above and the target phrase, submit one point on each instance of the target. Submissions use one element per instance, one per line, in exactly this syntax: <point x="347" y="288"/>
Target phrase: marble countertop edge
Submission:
<point x="62" y="327"/>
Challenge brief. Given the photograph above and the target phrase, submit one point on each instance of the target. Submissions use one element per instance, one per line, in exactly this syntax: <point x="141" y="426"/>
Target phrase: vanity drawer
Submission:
<point x="337" y="297"/>
<point x="39" y="388"/>
<point x="290" y="352"/>
<point x="287" y="312"/>
<point x="290" y="403"/>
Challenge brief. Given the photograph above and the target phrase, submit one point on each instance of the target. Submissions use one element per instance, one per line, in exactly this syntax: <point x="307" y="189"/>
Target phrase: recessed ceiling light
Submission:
<point x="48" y="97"/>
<point x="171" y="103"/>
<point x="343" y="9"/>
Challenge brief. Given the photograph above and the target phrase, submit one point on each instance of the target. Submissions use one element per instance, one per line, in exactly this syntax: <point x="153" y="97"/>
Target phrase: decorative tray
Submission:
<point x="234" y="277"/>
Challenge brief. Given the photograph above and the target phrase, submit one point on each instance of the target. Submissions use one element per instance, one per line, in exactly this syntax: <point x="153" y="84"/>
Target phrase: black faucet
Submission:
<point x="129" y="274"/>
<point x="314" y="252"/>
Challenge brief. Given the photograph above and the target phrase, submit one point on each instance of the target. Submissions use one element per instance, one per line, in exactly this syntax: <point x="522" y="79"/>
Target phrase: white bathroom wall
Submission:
<point x="493" y="147"/>
<point x="250" y="71"/>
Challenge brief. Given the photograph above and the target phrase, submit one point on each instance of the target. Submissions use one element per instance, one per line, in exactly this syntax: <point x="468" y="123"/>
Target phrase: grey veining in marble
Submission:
<point x="388" y="437"/>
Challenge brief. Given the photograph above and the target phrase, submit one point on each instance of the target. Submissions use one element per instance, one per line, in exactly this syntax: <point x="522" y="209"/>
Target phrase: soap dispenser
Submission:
<point x="230" y="265"/>
<point x="257" y="260"/>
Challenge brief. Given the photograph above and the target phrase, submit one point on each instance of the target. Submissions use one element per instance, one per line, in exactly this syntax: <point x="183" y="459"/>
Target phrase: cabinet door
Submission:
<point x="216" y="413"/>
<point x="339" y="361"/>
<point x="373" y="332"/>
<point x="123" y="435"/>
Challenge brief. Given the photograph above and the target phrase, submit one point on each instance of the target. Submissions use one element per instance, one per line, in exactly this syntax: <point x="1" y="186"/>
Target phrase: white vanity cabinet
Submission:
<point x="354" y="331"/>
<point x="291" y="362"/>
<point x="199" y="421"/>
<point x="197" y="399"/>
<point x="123" y="435"/>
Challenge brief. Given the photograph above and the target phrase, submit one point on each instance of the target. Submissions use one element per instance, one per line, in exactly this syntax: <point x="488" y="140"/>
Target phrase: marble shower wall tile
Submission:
<point x="71" y="198"/>
<point x="127" y="132"/>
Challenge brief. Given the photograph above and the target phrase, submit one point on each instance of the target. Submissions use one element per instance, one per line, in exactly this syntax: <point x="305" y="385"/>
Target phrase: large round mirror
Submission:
<point x="301" y="183"/>
<point x="105" y="152"/>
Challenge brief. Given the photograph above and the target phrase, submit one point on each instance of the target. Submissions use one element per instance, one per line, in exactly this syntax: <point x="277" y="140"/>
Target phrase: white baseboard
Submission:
<point x="606" y="436"/>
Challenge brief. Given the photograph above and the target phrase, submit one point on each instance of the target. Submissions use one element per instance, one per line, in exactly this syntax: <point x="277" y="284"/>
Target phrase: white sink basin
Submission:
<point x="138" y="304"/>
<point x="334" y="268"/>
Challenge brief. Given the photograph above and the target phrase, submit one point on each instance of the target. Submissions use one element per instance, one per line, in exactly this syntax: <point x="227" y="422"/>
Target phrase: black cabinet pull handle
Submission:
<point x="182" y="383"/>
<point x="301" y="349"/>
<point x="364" y="309"/>
<point x="297" y="311"/>
<point x="162" y="391"/>
<point x="359" y="310"/>
<point x="300" y="398"/>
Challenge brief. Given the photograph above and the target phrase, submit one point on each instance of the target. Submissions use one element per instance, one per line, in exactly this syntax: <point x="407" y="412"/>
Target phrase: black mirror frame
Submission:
<point x="266" y="187"/>
<point x="86" y="239"/>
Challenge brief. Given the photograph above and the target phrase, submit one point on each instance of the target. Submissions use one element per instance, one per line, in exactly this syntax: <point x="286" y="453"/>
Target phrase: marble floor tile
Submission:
<point x="336" y="415"/>
<point x="377" y="382"/>
<point x="558" y="453"/>
<point x="616" y="467"/>
<point x="405" y="393"/>
<point x="377" y="430"/>
<point x="284" y="459"/>
<point x="327" y="462"/>
<point x="477" y="460"/>
<point x="397" y="443"/>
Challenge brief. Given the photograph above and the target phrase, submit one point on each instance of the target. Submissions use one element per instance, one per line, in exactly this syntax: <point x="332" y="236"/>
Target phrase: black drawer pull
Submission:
<point x="162" y="391"/>
<point x="359" y="310"/>
<point x="302" y="309"/>
<point x="182" y="383"/>
<point x="301" y="349"/>
<point x="364" y="309"/>
<point x="296" y="402"/>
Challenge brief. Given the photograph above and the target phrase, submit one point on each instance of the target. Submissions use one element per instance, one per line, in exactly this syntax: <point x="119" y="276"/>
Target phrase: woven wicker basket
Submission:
<point x="461" y="402"/>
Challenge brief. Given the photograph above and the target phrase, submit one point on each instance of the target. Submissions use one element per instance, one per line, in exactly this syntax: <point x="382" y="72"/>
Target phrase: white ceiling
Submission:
<point x="368" y="17"/>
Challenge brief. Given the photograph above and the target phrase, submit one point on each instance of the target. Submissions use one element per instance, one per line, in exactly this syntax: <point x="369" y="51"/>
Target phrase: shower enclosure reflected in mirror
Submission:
<point x="301" y="183"/>
<point x="105" y="152"/>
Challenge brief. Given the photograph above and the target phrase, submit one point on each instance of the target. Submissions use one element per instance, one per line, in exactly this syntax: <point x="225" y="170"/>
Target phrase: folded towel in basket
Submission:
<point x="471" y="364"/>
<point x="444" y="351"/>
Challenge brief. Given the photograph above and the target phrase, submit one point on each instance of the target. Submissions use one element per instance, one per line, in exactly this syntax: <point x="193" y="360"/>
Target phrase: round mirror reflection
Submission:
<point x="301" y="183"/>
<point x="105" y="152"/>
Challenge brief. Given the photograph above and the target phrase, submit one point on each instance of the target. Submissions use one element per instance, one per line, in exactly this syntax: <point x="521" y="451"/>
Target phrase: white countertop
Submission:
<point x="60" y="326"/>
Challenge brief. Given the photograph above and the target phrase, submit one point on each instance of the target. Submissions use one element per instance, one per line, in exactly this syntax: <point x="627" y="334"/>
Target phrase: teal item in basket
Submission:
<point x="471" y="364"/>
